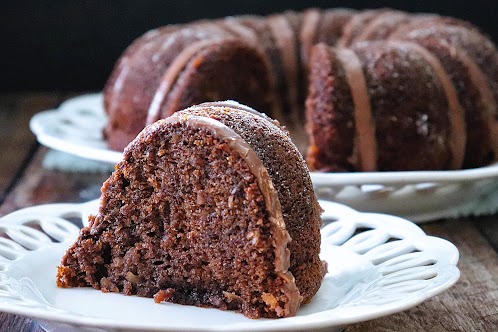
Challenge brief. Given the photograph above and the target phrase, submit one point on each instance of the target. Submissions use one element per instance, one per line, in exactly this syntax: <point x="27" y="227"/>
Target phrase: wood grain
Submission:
<point x="470" y="305"/>
<point x="41" y="186"/>
<point x="488" y="226"/>
<point x="16" y="140"/>
<point x="32" y="183"/>
<point x="18" y="324"/>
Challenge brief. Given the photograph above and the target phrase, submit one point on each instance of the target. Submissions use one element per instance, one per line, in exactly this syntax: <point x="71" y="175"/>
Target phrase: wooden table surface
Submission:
<point x="471" y="305"/>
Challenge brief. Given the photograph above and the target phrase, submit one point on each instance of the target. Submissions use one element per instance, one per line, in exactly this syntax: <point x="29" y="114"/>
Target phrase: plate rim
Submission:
<point x="319" y="319"/>
<point x="321" y="178"/>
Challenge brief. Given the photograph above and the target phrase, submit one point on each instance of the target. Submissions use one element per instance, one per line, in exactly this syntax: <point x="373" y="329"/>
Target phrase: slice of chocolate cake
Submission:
<point x="212" y="206"/>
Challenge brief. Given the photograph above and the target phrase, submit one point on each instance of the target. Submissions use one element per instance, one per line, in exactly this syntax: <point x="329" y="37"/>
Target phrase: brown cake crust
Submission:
<point x="330" y="106"/>
<point x="214" y="73"/>
<point x="132" y="87"/>
<point x="476" y="45"/>
<point x="332" y="24"/>
<point x="287" y="47"/>
<point x="410" y="112"/>
<point x="268" y="47"/>
<point x="474" y="92"/>
<point x="357" y="24"/>
<point x="193" y="215"/>
<point x="383" y="25"/>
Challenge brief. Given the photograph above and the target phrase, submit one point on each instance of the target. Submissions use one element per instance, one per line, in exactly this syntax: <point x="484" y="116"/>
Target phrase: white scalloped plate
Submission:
<point x="378" y="265"/>
<point x="76" y="128"/>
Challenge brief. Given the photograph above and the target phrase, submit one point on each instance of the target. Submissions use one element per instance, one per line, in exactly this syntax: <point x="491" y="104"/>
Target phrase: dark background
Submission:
<point x="72" y="45"/>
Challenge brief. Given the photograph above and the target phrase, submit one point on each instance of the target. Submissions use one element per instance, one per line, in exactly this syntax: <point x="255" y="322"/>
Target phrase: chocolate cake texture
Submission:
<point x="212" y="206"/>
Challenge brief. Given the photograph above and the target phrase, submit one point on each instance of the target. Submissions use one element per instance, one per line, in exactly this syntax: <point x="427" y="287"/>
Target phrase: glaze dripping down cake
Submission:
<point x="213" y="207"/>
<point x="429" y="84"/>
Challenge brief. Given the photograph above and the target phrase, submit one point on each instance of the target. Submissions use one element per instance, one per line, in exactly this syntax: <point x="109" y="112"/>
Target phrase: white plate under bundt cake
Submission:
<point x="424" y="95"/>
<point x="212" y="206"/>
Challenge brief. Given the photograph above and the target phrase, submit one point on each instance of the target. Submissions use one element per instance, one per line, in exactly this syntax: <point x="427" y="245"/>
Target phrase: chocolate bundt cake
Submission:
<point x="212" y="206"/>
<point x="274" y="65"/>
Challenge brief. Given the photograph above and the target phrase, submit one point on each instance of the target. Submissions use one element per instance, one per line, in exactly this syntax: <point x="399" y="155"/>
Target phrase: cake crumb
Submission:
<point x="133" y="278"/>
<point x="164" y="295"/>
<point x="270" y="300"/>
<point x="232" y="297"/>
